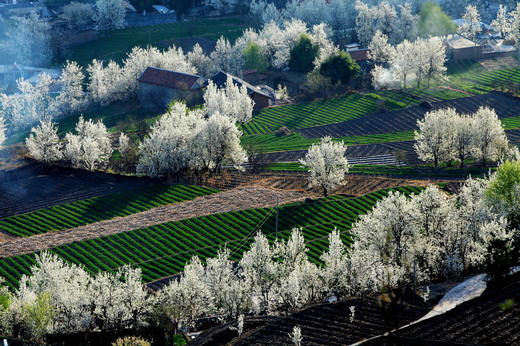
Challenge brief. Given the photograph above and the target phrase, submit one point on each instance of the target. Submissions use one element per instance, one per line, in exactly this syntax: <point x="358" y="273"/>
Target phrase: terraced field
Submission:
<point x="163" y="250"/>
<point x="472" y="77"/>
<point x="406" y="119"/>
<point x="96" y="209"/>
<point x="340" y="109"/>
<point x="272" y="143"/>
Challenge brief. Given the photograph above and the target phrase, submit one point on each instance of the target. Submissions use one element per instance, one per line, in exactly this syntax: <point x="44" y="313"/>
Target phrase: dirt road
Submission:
<point x="232" y="200"/>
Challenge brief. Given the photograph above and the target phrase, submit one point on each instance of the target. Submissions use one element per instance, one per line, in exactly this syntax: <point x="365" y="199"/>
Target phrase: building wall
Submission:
<point x="468" y="53"/>
<point x="156" y="98"/>
<point x="261" y="101"/>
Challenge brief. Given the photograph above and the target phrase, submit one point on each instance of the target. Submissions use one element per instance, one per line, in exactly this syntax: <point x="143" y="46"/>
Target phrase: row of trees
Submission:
<point x="401" y="242"/>
<point x="89" y="147"/>
<point x="185" y="139"/>
<point x="397" y="20"/>
<point x="406" y="62"/>
<point x="109" y="82"/>
<point x="200" y="140"/>
<point x="444" y="135"/>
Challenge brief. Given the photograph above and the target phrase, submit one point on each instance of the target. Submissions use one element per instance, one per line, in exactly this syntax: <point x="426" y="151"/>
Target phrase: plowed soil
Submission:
<point x="406" y="118"/>
<point x="232" y="200"/>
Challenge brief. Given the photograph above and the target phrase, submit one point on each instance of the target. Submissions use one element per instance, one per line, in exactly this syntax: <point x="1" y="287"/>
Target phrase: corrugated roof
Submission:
<point x="170" y="79"/>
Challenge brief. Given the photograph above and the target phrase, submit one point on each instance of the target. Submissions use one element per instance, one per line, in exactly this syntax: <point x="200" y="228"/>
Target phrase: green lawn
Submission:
<point x="116" y="44"/>
<point x="164" y="249"/>
<point x="96" y="209"/>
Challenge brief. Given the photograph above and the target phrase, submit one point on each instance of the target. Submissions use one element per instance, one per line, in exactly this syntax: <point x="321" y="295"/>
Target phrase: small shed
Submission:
<point x="262" y="98"/>
<point x="460" y="48"/>
<point x="158" y="87"/>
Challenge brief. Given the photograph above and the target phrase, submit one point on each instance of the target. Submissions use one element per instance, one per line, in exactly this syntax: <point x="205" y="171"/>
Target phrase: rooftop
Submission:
<point x="170" y="79"/>
<point x="220" y="80"/>
<point x="459" y="42"/>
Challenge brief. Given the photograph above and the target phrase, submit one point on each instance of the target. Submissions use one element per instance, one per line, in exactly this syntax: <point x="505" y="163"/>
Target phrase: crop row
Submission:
<point x="163" y="250"/>
<point x="340" y="109"/>
<point x="96" y="209"/>
<point x="271" y="143"/>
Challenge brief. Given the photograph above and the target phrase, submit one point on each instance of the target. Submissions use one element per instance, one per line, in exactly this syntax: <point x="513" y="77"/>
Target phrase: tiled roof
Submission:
<point x="170" y="79"/>
<point x="359" y="55"/>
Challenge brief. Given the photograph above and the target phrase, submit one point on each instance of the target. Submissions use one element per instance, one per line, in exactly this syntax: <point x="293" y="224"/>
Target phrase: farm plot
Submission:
<point x="333" y="322"/>
<point x="33" y="186"/>
<point x="340" y="109"/>
<point x="295" y="141"/>
<point x="406" y="119"/>
<point x="473" y="77"/>
<point x="87" y="211"/>
<point x="116" y="44"/>
<point x="163" y="250"/>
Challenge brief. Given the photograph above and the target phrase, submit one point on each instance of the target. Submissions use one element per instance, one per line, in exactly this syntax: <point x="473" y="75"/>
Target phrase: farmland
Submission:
<point x="423" y="171"/>
<point x="340" y="109"/>
<point x="95" y="209"/>
<point x="472" y="77"/>
<point x="386" y="127"/>
<point x="163" y="250"/>
<point x="115" y="45"/>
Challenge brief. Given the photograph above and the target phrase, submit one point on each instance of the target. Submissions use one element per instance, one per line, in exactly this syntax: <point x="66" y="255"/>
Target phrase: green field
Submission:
<point x="96" y="209"/>
<point x="426" y="171"/>
<point x="163" y="250"/>
<point x="339" y="109"/>
<point x="272" y="143"/>
<point x="474" y="78"/>
<point x="116" y="44"/>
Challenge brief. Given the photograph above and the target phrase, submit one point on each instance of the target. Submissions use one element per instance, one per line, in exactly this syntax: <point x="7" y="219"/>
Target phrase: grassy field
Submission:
<point x="269" y="143"/>
<point x="163" y="250"/>
<point x="116" y="44"/>
<point x="295" y="141"/>
<point x="423" y="171"/>
<point x="340" y="109"/>
<point x="474" y="78"/>
<point x="96" y="209"/>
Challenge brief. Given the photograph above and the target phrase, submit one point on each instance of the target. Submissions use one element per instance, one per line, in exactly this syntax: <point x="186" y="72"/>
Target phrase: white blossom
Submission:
<point x="327" y="164"/>
<point x="470" y="26"/>
<point x="433" y="141"/>
<point x="43" y="143"/>
<point x="71" y="97"/>
<point x="503" y="22"/>
<point x="110" y="14"/>
<point x="90" y="146"/>
<point x="296" y="336"/>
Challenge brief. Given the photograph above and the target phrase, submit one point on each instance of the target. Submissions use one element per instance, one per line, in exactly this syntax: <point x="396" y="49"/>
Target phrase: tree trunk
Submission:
<point x="325" y="192"/>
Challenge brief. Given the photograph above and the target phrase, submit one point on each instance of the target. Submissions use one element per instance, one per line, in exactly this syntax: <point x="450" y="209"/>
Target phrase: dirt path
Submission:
<point x="232" y="200"/>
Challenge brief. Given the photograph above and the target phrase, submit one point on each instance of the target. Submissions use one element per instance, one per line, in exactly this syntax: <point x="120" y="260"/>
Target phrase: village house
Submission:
<point x="460" y="48"/>
<point x="263" y="96"/>
<point x="158" y="87"/>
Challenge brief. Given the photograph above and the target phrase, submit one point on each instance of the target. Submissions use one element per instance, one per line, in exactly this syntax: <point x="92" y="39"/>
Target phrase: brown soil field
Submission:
<point x="232" y="200"/>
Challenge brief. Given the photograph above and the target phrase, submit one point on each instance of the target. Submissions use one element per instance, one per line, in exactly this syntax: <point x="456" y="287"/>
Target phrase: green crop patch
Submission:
<point x="163" y="250"/>
<point x="116" y="44"/>
<point x="96" y="209"/>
